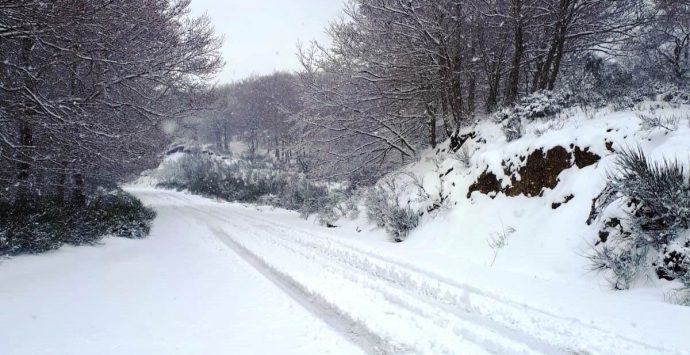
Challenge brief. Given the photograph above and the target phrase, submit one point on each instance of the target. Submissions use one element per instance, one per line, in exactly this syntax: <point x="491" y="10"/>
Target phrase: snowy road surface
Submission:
<point x="218" y="278"/>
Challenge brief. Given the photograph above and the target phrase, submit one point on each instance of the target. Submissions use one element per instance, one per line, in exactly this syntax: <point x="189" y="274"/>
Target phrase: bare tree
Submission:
<point x="87" y="84"/>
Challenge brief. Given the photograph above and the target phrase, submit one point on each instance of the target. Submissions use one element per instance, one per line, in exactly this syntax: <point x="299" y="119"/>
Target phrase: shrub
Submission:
<point x="384" y="209"/>
<point x="256" y="181"/>
<point x="623" y="261"/>
<point x="542" y="104"/>
<point x="499" y="240"/>
<point x="513" y="129"/>
<point x="652" y="122"/>
<point x="659" y="194"/>
<point x="672" y="93"/>
<point x="401" y="221"/>
<point x="119" y="214"/>
<point x="539" y="105"/>
<point x="464" y="156"/>
<point x="684" y="293"/>
<point x="655" y="199"/>
<point x="45" y="224"/>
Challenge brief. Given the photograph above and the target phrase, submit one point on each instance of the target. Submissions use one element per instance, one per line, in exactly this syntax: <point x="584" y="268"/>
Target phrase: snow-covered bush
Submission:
<point x="656" y="121"/>
<point x="46" y="224"/>
<point x="512" y="128"/>
<point x="402" y="220"/>
<point x="684" y="293"/>
<point x="256" y="181"/>
<point x="539" y="105"/>
<point x="542" y="104"/>
<point x="384" y="208"/>
<point x="672" y="93"/>
<point x="621" y="258"/>
<point x="339" y="203"/>
<point x="119" y="214"/>
<point x="464" y="156"/>
<point x="648" y="220"/>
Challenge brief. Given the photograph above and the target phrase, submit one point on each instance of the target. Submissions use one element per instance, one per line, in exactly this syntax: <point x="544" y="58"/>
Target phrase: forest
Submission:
<point x="401" y="76"/>
<point x="88" y="90"/>
<point x="430" y="177"/>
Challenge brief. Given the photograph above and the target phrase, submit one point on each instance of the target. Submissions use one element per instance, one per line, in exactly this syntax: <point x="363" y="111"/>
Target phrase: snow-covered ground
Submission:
<point x="180" y="291"/>
<point x="219" y="278"/>
<point x="224" y="278"/>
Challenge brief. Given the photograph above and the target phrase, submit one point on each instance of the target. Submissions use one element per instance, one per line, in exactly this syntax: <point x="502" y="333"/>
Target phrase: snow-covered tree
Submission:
<point x="86" y="88"/>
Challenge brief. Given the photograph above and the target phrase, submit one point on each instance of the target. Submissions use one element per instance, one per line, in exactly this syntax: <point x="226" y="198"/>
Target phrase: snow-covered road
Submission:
<point x="386" y="306"/>
<point x="179" y="291"/>
<point x="220" y="278"/>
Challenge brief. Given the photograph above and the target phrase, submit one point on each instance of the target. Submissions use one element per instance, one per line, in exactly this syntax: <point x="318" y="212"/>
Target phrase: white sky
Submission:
<point x="261" y="35"/>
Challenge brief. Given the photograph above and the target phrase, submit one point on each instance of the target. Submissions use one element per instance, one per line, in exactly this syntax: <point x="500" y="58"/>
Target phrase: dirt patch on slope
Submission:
<point x="539" y="171"/>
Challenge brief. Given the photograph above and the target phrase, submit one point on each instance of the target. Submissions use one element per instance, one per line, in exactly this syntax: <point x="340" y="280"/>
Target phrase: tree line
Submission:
<point x="402" y="75"/>
<point x="89" y="90"/>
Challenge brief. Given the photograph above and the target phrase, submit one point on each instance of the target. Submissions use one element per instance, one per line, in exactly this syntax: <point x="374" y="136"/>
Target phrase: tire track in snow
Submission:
<point x="329" y="313"/>
<point x="572" y="330"/>
<point x="340" y="322"/>
<point x="479" y="335"/>
<point x="476" y="331"/>
<point x="410" y="289"/>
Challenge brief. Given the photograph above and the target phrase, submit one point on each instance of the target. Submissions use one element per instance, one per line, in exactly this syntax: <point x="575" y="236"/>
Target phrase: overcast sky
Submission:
<point x="261" y="35"/>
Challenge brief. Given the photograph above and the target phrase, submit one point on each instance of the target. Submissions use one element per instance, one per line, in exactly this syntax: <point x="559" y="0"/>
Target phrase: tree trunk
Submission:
<point x="432" y="125"/>
<point x="472" y="77"/>
<point x="494" y="86"/>
<point x="456" y="80"/>
<point x="24" y="162"/>
<point x="60" y="188"/>
<point x="556" y="64"/>
<point x="471" y="92"/>
<point x="78" y="197"/>
<point x="552" y="65"/>
<point x="226" y="144"/>
<point x="519" y="48"/>
<point x="543" y="74"/>
<point x="539" y="66"/>
<point x="26" y="137"/>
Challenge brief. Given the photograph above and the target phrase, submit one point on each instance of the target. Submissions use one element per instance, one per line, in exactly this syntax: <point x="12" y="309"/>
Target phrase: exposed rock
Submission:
<point x="567" y="199"/>
<point x="585" y="158"/>
<point x="538" y="171"/>
<point x="457" y="141"/>
<point x="603" y="236"/>
<point x="486" y="184"/>
<point x="609" y="146"/>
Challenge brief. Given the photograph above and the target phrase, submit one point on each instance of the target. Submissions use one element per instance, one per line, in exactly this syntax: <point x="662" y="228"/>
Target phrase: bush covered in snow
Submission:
<point x="647" y="209"/>
<point x="672" y="93"/>
<point x="683" y="295"/>
<point x="601" y="84"/>
<point x="44" y="224"/>
<point x="540" y="105"/>
<point x="257" y="181"/>
<point x="653" y="122"/>
<point x="385" y="210"/>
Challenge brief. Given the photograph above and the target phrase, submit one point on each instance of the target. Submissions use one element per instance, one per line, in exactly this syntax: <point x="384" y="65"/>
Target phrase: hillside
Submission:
<point x="523" y="206"/>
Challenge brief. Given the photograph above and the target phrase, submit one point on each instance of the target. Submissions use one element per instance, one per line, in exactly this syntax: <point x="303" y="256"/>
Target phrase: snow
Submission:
<point x="180" y="291"/>
<point x="218" y="277"/>
<point x="400" y="298"/>
<point x="548" y="244"/>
